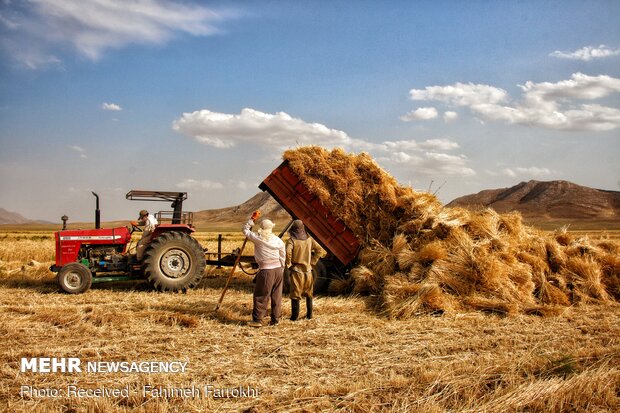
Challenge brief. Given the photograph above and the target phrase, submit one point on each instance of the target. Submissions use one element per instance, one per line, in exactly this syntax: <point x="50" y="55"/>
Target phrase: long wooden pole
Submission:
<point x="232" y="271"/>
<point x="286" y="228"/>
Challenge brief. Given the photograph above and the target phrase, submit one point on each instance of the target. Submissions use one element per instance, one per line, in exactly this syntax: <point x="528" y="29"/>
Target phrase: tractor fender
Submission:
<point x="164" y="228"/>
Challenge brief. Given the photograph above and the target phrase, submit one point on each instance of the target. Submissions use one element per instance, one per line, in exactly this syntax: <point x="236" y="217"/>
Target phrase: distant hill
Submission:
<point x="236" y="216"/>
<point x="548" y="200"/>
<point x="13" y="218"/>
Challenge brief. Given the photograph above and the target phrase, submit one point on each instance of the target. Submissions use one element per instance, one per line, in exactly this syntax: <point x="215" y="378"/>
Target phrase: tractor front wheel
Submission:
<point x="74" y="278"/>
<point x="174" y="261"/>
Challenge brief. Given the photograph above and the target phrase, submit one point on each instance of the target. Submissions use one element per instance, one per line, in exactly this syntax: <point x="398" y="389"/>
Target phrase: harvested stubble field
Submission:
<point x="349" y="358"/>
<point x="446" y="310"/>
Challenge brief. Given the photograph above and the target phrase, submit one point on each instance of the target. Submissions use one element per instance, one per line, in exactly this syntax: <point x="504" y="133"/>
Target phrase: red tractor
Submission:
<point x="173" y="261"/>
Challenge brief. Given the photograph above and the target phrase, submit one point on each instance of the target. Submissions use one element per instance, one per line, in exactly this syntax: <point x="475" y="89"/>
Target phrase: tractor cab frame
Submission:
<point x="175" y="217"/>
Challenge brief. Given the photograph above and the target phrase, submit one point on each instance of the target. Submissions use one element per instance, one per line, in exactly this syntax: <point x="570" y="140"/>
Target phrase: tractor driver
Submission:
<point x="149" y="222"/>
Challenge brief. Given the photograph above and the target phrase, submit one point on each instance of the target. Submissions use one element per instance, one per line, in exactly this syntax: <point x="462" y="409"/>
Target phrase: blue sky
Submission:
<point x="204" y="96"/>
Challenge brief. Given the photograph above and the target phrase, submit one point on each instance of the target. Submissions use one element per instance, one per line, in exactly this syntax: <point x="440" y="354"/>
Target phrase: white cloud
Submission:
<point x="91" y="27"/>
<point x="398" y="146"/>
<point x="444" y="144"/>
<point x="431" y="163"/>
<point x="450" y="116"/>
<point x="195" y="184"/>
<point x="30" y="57"/>
<point x="281" y="131"/>
<point x="420" y="114"/>
<point x="546" y="105"/>
<point x="79" y="150"/>
<point x="278" y="130"/>
<point x="587" y="53"/>
<point x="424" y="157"/>
<point x="448" y="164"/>
<point x="240" y="184"/>
<point x="7" y="22"/>
<point x="460" y="94"/>
<point x="579" y="86"/>
<point x="531" y="171"/>
<point x="110" y="106"/>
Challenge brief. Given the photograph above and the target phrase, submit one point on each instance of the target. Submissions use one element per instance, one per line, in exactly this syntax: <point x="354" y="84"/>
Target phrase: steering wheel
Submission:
<point x="134" y="228"/>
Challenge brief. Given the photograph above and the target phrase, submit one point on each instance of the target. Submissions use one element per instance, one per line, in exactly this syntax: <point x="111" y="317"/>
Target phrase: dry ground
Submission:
<point x="347" y="359"/>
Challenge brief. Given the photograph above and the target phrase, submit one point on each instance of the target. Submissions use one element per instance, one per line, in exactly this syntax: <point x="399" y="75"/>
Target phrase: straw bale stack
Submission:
<point x="421" y="257"/>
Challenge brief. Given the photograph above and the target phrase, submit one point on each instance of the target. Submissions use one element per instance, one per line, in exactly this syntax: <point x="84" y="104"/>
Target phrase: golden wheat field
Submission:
<point x="348" y="358"/>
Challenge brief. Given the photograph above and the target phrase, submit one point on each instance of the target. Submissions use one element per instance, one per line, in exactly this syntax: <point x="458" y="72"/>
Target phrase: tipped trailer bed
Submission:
<point x="290" y="192"/>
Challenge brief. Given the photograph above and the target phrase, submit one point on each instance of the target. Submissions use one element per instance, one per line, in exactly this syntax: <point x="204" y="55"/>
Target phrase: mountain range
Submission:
<point x="13" y="218"/>
<point x="536" y="200"/>
<point x="548" y="200"/>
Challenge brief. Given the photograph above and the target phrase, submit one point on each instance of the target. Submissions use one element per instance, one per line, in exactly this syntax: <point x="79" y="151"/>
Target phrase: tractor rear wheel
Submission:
<point x="74" y="278"/>
<point x="174" y="261"/>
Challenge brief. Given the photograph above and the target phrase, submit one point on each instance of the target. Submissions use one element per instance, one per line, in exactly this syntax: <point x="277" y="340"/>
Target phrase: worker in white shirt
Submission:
<point x="270" y="255"/>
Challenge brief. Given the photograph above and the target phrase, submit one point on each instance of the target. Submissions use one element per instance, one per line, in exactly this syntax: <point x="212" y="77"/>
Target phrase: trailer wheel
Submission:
<point x="322" y="277"/>
<point x="74" y="278"/>
<point x="174" y="261"/>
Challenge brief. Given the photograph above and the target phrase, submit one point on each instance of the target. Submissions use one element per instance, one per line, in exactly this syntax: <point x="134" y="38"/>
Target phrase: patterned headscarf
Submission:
<point x="298" y="231"/>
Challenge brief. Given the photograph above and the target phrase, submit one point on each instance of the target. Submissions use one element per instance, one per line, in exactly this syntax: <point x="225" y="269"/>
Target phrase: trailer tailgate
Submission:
<point x="288" y="190"/>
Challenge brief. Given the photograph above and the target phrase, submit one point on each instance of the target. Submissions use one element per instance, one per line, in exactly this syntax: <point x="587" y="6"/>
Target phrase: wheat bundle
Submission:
<point x="421" y="257"/>
<point x="365" y="281"/>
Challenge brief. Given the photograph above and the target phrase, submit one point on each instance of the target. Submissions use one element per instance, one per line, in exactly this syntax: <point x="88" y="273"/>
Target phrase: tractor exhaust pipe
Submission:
<point x="97" y="213"/>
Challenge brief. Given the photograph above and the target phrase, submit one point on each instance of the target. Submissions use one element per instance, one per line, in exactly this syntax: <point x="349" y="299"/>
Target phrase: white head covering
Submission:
<point x="266" y="227"/>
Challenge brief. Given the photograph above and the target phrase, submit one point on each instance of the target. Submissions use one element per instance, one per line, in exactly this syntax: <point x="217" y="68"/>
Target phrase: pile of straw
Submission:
<point x="421" y="257"/>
